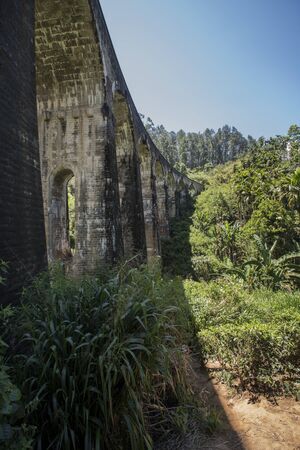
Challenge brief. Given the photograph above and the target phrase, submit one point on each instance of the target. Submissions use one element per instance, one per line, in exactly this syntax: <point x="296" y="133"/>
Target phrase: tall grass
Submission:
<point x="101" y="360"/>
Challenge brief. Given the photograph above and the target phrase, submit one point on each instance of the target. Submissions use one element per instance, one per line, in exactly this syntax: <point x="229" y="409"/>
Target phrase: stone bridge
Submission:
<point x="58" y="55"/>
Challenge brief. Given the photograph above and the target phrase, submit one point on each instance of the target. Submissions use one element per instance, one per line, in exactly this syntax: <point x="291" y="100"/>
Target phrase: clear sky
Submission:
<point x="196" y="64"/>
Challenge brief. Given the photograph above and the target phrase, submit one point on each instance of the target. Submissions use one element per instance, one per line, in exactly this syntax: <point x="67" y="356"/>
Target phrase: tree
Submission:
<point x="198" y="149"/>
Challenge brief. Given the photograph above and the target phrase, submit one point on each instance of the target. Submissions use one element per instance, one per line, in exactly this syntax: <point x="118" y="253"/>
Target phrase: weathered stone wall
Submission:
<point x="171" y="199"/>
<point x="148" y="188"/>
<point x="21" y="212"/>
<point x="158" y="210"/>
<point x="162" y="201"/>
<point x="76" y="135"/>
<point x="128" y="179"/>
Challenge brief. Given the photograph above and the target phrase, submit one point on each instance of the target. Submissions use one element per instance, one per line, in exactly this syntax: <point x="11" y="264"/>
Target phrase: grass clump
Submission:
<point x="100" y="363"/>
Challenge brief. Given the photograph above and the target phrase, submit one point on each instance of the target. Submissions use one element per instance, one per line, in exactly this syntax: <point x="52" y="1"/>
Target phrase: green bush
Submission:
<point x="14" y="435"/>
<point x="216" y="302"/>
<point x="262" y="356"/>
<point x="102" y="360"/>
<point x="255" y="335"/>
<point x="206" y="267"/>
<point x="258" y="195"/>
<point x="270" y="218"/>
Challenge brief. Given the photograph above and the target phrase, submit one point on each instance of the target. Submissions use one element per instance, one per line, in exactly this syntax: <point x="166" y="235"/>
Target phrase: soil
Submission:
<point x="244" y="424"/>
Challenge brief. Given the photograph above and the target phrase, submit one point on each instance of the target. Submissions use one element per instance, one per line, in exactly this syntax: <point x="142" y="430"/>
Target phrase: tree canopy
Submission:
<point x="190" y="150"/>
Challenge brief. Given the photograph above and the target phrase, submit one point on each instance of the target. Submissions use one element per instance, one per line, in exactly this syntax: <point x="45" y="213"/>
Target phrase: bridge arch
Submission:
<point x="69" y="66"/>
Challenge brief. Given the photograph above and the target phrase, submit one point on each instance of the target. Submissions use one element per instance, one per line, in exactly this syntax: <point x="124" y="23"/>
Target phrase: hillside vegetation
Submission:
<point x="247" y="220"/>
<point x="248" y="217"/>
<point x="240" y="249"/>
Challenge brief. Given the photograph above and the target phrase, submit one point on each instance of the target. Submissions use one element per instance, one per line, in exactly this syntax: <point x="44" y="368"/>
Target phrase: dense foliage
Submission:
<point x="254" y="336"/>
<point x="100" y="362"/>
<point x="13" y="436"/>
<point x="249" y="217"/>
<point x="189" y="150"/>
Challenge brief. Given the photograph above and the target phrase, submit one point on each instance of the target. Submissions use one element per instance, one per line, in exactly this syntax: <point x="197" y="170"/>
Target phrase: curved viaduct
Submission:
<point x="58" y="54"/>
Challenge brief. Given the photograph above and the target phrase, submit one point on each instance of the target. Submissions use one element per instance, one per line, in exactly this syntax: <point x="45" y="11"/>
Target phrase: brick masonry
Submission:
<point x="22" y="233"/>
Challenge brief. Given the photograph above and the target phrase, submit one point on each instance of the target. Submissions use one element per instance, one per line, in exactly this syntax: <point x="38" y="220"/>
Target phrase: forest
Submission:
<point x="186" y="150"/>
<point x="104" y="362"/>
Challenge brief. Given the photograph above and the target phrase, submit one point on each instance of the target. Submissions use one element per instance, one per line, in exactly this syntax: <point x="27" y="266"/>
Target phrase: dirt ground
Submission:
<point x="245" y="425"/>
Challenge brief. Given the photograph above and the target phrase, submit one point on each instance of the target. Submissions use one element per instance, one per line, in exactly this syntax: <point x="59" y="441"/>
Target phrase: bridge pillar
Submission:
<point x="22" y="234"/>
<point x="149" y="202"/>
<point x="183" y="198"/>
<point x="162" y="201"/>
<point x="131" y="206"/>
<point x="171" y="196"/>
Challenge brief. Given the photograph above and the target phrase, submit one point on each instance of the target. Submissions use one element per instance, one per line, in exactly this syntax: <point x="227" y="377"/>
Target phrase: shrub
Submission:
<point x="215" y="302"/>
<point x="270" y="218"/>
<point x="13" y="434"/>
<point x="266" y="270"/>
<point x="255" y="335"/>
<point x="206" y="267"/>
<point x="102" y="361"/>
<point x="261" y="356"/>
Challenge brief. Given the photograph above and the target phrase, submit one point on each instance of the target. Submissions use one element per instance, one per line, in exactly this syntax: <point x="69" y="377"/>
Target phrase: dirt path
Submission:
<point x="244" y="425"/>
<point x="252" y="426"/>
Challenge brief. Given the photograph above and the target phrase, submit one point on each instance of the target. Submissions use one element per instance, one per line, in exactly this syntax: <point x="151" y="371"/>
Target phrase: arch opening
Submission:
<point x="71" y="214"/>
<point x="62" y="219"/>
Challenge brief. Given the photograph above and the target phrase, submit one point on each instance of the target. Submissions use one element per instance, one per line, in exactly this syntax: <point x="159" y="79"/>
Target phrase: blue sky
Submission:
<point x="196" y="64"/>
